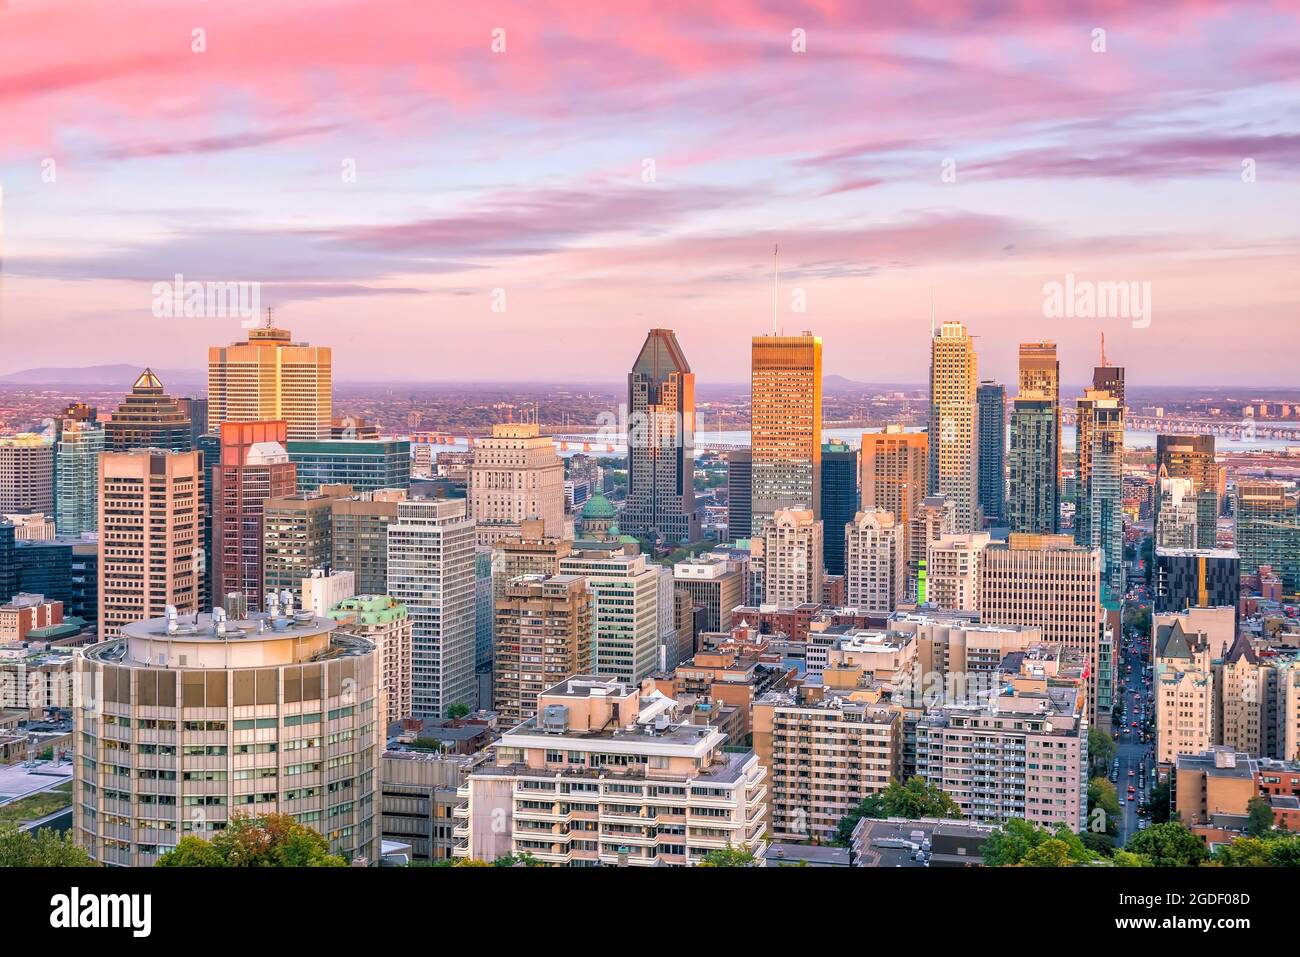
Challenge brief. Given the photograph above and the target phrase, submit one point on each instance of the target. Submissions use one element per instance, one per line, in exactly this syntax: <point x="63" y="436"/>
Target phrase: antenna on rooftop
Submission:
<point x="1103" y="350"/>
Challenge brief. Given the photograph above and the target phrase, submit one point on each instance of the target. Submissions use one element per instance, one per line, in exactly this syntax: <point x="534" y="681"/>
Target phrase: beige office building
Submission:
<point x="269" y="377"/>
<point x="1184" y="692"/>
<point x="952" y="565"/>
<point x="183" y="722"/>
<point x="26" y="474"/>
<point x="606" y="774"/>
<point x="954" y="422"/>
<point x="625" y="611"/>
<point x="785" y="426"/>
<point x="714" y="584"/>
<point x="875" y="561"/>
<point x="150" y="535"/>
<point x="787" y="557"/>
<point x="1047" y="582"/>
<point x="542" y="636"/>
<point x="516" y="475"/>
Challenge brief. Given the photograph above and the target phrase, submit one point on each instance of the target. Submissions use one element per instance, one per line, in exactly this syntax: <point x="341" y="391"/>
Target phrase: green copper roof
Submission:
<point x="598" y="507"/>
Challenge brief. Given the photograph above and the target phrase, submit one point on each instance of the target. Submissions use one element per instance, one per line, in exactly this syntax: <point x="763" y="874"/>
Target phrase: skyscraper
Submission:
<point x="1099" y="503"/>
<point x="991" y="398"/>
<point x="1033" y="465"/>
<point x="1268" y="529"/>
<point x="269" y="377"/>
<point x="254" y="468"/>
<point x="875" y="564"/>
<point x="839" y="500"/>
<point x="785" y="425"/>
<point x="77" y="470"/>
<point x="516" y="475"/>
<point x="740" y="488"/>
<point x="148" y="418"/>
<point x="26" y="474"/>
<point x="661" y="443"/>
<point x="1191" y="457"/>
<point x="431" y="571"/>
<point x="150" y="518"/>
<point x="954" y="424"/>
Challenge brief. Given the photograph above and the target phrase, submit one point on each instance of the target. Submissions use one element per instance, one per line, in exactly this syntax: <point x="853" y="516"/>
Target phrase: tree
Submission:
<point x="1260" y="816"/>
<point x="1159" y="802"/>
<point x="274" y="840"/>
<point x="915" y="799"/>
<point x="1051" y="853"/>
<point x="1101" y="750"/>
<point x="1129" y="859"/>
<point x="517" y="860"/>
<point x="1013" y="843"/>
<point x="44" y="847"/>
<point x="457" y="711"/>
<point x="1103" y="797"/>
<point x="728" y="857"/>
<point x="1168" y="845"/>
<point x="1243" y="852"/>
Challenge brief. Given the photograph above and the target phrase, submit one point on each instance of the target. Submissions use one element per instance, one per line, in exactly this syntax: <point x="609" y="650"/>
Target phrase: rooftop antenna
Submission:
<point x="1103" y="350"/>
<point x="776" y="272"/>
<point x="268" y="318"/>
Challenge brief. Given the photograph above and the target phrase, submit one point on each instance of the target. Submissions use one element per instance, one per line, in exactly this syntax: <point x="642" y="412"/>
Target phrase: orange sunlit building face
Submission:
<point x="786" y="424"/>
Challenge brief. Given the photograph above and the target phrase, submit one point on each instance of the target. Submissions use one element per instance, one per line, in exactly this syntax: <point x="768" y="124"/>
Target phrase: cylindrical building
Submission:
<point x="184" y="722"/>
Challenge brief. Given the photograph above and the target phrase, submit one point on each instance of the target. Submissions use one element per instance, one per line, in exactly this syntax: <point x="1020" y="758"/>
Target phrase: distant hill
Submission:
<point x="119" y="376"/>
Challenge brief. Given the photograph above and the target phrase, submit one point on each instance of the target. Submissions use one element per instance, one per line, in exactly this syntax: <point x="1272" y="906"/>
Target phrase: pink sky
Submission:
<point x="128" y="157"/>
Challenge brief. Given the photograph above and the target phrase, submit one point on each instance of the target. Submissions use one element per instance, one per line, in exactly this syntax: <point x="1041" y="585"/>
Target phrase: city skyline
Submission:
<point x="1013" y="154"/>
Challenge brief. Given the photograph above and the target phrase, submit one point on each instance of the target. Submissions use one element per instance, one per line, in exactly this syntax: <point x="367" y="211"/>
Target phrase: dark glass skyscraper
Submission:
<point x="661" y="443"/>
<point x="839" y="501"/>
<point x="1032" y="496"/>
<point x="992" y="401"/>
<point x="739" y="493"/>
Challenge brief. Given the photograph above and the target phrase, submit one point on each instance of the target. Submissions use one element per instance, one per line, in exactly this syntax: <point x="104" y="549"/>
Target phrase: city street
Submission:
<point x="1135" y="757"/>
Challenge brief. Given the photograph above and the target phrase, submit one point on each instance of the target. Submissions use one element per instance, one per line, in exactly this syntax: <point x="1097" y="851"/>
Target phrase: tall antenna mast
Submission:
<point x="268" y="318"/>
<point x="776" y="272"/>
<point x="1103" y="350"/>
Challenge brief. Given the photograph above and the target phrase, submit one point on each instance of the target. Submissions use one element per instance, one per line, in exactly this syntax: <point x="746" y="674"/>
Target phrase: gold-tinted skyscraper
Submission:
<point x="954" y="429"/>
<point x="786" y="424"/>
<point x="270" y="377"/>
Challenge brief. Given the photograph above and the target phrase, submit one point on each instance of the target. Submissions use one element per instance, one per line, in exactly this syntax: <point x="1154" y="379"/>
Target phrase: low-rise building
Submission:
<point x="603" y="774"/>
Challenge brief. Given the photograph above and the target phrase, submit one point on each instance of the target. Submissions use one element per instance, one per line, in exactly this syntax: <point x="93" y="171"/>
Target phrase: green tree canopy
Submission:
<point x="1101" y="750"/>
<point x="1013" y="843"/>
<point x="274" y="840"/>
<point x="1103" y="797"/>
<point x="44" y="847"/>
<point x="728" y="857"/>
<point x="1260" y="814"/>
<point x="1159" y="802"/>
<point x="1168" y="845"/>
<point x="915" y="799"/>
